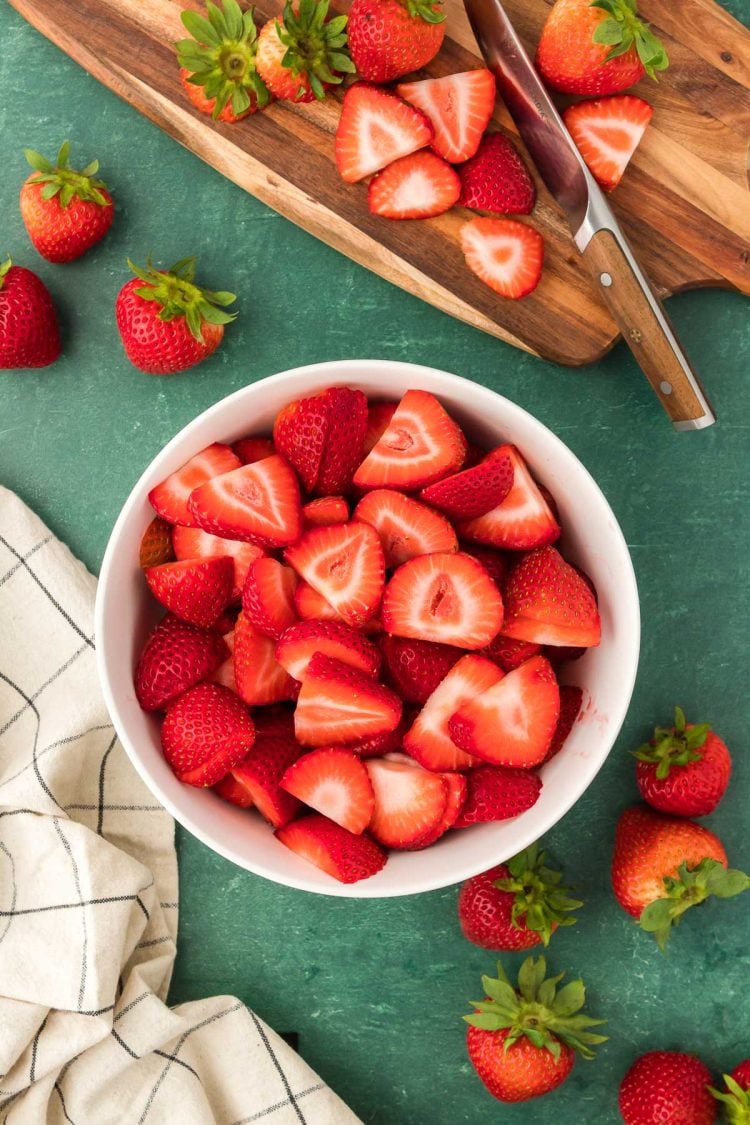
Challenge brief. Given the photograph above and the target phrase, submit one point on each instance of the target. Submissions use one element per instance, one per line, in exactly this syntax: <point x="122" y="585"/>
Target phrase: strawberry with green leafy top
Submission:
<point x="300" y="56"/>
<point x="668" y="1087"/>
<point x="684" y="769"/>
<point x="735" y="1096"/>
<point x="217" y="66"/>
<point x="390" y="38"/>
<point x="65" y="212"/>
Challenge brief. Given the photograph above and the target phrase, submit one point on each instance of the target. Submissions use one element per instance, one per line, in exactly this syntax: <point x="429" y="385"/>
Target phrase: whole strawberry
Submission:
<point x="166" y="322"/>
<point x="65" y="212"/>
<point x="29" y="335"/>
<point x="496" y="181"/>
<point x="663" y="865"/>
<point x="516" y="905"/>
<point x="735" y="1096"/>
<point x="300" y="56"/>
<point x="600" y="48"/>
<point x="390" y="38"/>
<point x="667" y="1088"/>
<point x="684" y="769"/>
<point x="523" y="1043"/>
<point x="217" y="66"/>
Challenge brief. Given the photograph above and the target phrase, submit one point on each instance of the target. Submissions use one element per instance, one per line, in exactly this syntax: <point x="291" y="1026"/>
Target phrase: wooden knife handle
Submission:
<point x="647" y="331"/>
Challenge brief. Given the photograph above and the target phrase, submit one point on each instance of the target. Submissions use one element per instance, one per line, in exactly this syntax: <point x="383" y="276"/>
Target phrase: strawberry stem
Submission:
<point x="315" y="47"/>
<point x="175" y="290"/>
<point x="735" y="1099"/>
<point x="624" y="29"/>
<point x="692" y="886"/>
<point x="4" y="267"/>
<point x="221" y="56"/>
<point x="540" y="901"/>
<point x="673" y="746"/>
<point x="61" y="180"/>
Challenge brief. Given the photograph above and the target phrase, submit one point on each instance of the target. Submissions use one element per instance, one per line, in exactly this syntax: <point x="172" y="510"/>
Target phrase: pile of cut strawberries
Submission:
<point x="365" y="618"/>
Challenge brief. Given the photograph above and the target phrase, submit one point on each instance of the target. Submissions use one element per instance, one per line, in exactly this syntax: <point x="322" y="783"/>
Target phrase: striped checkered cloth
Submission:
<point x="88" y="897"/>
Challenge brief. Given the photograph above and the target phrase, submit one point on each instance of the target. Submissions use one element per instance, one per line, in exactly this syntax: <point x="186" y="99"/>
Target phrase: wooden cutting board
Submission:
<point x="684" y="201"/>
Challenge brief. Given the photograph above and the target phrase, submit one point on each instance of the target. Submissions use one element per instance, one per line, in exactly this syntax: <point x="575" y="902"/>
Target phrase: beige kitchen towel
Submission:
<point x="88" y="897"/>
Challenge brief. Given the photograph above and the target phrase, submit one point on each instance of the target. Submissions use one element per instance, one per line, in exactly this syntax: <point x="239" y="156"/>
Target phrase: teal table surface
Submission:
<point x="376" y="990"/>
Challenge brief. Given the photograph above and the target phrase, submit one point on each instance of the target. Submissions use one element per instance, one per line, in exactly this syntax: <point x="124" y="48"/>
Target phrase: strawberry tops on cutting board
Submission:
<point x="365" y="621"/>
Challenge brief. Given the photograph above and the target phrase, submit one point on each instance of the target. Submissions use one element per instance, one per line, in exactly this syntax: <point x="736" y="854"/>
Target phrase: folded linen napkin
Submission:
<point x="88" y="897"/>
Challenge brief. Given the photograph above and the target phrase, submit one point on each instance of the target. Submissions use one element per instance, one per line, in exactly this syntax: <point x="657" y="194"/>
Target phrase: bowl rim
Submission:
<point x="320" y="373"/>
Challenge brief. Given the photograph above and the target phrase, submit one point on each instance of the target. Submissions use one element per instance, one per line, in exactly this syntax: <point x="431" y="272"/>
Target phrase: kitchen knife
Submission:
<point x="624" y="288"/>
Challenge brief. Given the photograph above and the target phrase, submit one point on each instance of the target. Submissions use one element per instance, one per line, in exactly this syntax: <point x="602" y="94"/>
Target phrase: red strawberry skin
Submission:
<point x="496" y="181"/>
<point x="548" y="602"/>
<point x="510" y="654"/>
<point x="414" y="668"/>
<point x="261" y="771"/>
<point x="496" y="793"/>
<point x="156" y="544"/>
<point x="472" y="492"/>
<point x="667" y="1086"/>
<point x="29" y="334"/>
<point x="176" y="656"/>
<point x="206" y="732"/>
<point x="523" y="1071"/>
<point x="485" y="914"/>
<point x="571" y="700"/>
<point x="268" y="597"/>
<point x="693" y="789"/>
<point x="155" y="346"/>
<point x="195" y="590"/>
<point x="342" y="450"/>
<point x="299" y="433"/>
<point x="61" y="234"/>
<point x="387" y="42"/>
<point x="333" y="849"/>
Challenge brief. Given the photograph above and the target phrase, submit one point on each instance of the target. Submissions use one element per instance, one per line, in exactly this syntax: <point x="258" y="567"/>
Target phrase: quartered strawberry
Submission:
<point x="472" y="492"/>
<point x="333" y="849"/>
<point x="571" y="699"/>
<point x="523" y="520"/>
<point x="325" y="511"/>
<point x="548" y="602"/>
<point x="607" y="132"/>
<point x="345" y="565"/>
<point x="406" y="527"/>
<point x="495" y="563"/>
<point x="496" y="180"/>
<point x="419" y="186"/>
<point x="509" y="653"/>
<point x="312" y="606"/>
<point x="415" y="668"/>
<point x="457" y="786"/>
<point x="376" y="128"/>
<point x="512" y="723"/>
<point x="260" y="773"/>
<point x="206" y="731"/>
<point x="428" y="740"/>
<point x="409" y="803"/>
<point x="156" y="544"/>
<point x="379" y="415"/>
<point x="459" y="107"/>
<point x="258" y="503"/>
<point x="342" y="451"/>
<point x="495" y="793"/>
<point x="338" y="704"/>
<point x="335" y="783"/>
<point x="268" y="597"/>
<point x="446" y="598"/>
<point x="504" y="254"/>
<point x="301" y="641"/>
<point x="170" y="498"/>
<point x="193" y="543"/>
<point x="300" y="433"/>
<point x="422" y="444"/>
<point x="176" y="656"/>
<point x="259" y="678"/>
<point x="196" y="590"/>
<point x="230" y="790"/>
<point x="252" y="449"/>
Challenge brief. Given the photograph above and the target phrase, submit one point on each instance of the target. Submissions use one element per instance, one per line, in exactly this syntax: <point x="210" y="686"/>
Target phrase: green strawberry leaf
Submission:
<point x="608" y="32"/>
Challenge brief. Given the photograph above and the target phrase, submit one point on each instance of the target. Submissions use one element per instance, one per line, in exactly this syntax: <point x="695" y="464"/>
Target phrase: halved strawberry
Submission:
<point x="333" y="782"/>
<point x="376" y="128"/>
<point x="156" y="544"/>
<point x="422" y="444"/>
<point x="494" y="793"/>
<point x="260" y="773"/>
<point x="176" y="656"/>
<point x="504" y="254"/>
<point x="474" y="491"/>
<point x="259" y="503"/>
<point x="196" y="590"/>
<point x="325" y="511"/>
<point x="409" y="802"/>
<point x="230" y="790"/>
<point x="524" y="519"/>
<point x="550" y="603"/>
<point x="342" y="451"/>
<point x="416" y="668"/>
<point x="509" y="653"/>
<point x="379" y="415"/>
<point x="252" y="449"/>
<point x="312" y="606"/>
<point x="419" y="186"/>
<point x="194" y="543"/>
<point x="571" y="699"/>
<point x="170" y="498"/>
<point x="459" y="107"/>
<point x="494" y="562"/>
<point x="207" y="730"/>
<point x="512" y="723"/>
<point x="450" y="599"/>
<point x="428" y="741"/>
<point x="607" y="131"/>
<point x="345" y="565"/>
<point x="406" y="527"/>
<point x="301" y="641"/>
<point x="333" y="849"/>
<point x="299" y="433"/>
<point x="258" y="676"/>
<point x="268" y="597"/>
<point x="339" y="704"/>
<point x="458" y="786"/>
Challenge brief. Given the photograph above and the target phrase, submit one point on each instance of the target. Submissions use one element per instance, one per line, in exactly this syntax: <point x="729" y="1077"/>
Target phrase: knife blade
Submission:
<point x="619" y="278"/>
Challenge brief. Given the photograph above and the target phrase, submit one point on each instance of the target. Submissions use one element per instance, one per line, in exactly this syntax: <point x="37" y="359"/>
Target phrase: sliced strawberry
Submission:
<point x="252" y="449"/>
<point x="422" y="444"/>
<point x="260" y="773"/>
<point x="259" y="678"/>
<point x="176" y="656"/>
<point x="512" y="723"/>
<point x="472" y="492"/>
<point x="504" y="254"/>
<point x="339" y="704"/>
<point x="230" y="790"/>
<point x="193" y="543"/>
<point x="206" y="731"/>
<point x="415" y="668"/>
<point x="345" y="565"/>
<point x="345" y="436"/>
<point x="379" y="416"/>
<point x="458" y="786"/>
<point x="326" y="511"/>
<point x="495" y="563"/>
<point x="312" y="606"/>
<point x="268" y="597"/>
<point x="571" y="700"/>
<point x="224" y="674"/>
<point x="523" y="520"/>
<point x="301" y="641"/>
<point x="419" y="186"/>
<point x="497" y="794"/>
<point x="607" y="131"/>
<point x="450" y="599"/>
<point x="428" y="741"/>
<point x="259" y="503"/>
<point x="170" y="498"/>
<point x="459" y="107"/>
<point x="406" y="527"/>
<point x="196" y="590"/>
<point x="333" y="782"/>
<point x="376" y="128"/>
<point x="409" y="803"/>
<point x="550" y="603"/>
<point x="327" y="845"/>
<point x="156" y="544"/>
<point x="496" y="180"/>
<point x="299" y="433"/>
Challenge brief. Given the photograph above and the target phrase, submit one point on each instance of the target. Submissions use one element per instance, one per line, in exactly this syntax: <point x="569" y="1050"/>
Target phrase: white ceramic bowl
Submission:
<point x="125" y="612"/>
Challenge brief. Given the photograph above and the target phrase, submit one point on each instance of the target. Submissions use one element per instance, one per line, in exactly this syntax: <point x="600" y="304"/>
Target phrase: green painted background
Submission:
<point x="376" y="989"/>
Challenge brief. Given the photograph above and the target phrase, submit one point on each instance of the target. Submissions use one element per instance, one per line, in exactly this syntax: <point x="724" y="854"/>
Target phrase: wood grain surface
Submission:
<point x="684" y="202"/>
